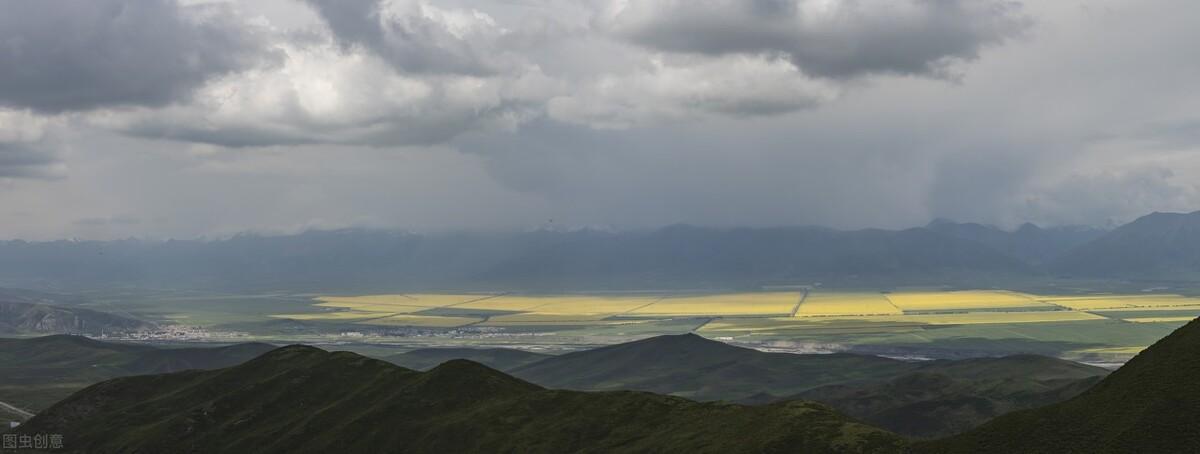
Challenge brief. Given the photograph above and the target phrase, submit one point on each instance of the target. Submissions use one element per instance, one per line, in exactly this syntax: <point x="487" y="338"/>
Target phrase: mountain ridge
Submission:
<point x="1156" y="246"/>
<point x="671" y="257"/>
<point x="302" y="399"/>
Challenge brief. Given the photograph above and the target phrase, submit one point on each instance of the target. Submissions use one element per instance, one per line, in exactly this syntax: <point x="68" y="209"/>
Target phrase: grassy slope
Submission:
<point x="692" y="366"/>
<point x="947" y="397"/>
<point x="301" y="399"/>
<point x="1151" y="404"/>
<point x="496" y="358"/>
<point x="35" y="373"/>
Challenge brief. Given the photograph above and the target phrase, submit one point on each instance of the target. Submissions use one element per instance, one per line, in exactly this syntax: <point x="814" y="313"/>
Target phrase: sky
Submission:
<point x="185" y="119"/>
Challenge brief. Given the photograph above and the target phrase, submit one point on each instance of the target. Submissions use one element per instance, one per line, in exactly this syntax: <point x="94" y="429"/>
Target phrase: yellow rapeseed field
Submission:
<point x="962" y="300"/>
<point x="1095" y="302"/>
<point x="825" y="304"/>
<point x="751" y="312"/>
<point x="731" y="304"/>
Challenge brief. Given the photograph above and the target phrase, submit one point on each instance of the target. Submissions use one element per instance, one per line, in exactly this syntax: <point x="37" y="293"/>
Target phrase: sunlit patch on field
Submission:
<point x="536" y="319"/>
<point x="825" y="304"/>
<point x="331" y="315"/>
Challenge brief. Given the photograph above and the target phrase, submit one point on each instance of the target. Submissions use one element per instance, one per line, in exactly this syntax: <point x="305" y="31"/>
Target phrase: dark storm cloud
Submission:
<point x="24" y="160"/>
<point x="406" y="38"/>
<point x="62" y="55"/>
<point x="827" y="39"/>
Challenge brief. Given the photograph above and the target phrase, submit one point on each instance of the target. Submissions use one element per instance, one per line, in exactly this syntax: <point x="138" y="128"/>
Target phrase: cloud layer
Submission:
<point x="205" y="117"/>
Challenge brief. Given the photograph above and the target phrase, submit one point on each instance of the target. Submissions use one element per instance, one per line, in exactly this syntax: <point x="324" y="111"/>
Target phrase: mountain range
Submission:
<point x="1162" y="246"/>
<point x="1029" y="243"/>
<point x="1157" y="246"/>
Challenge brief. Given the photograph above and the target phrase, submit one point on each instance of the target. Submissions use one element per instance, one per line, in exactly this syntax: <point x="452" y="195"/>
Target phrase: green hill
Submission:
<point x="496" y="358"/>
<point x="36" y="372"/>
<point x="302" y="399"/>
<point x="947" y="397"/>
<point x="697" y="368"/>
<point x="1152" y="404"/>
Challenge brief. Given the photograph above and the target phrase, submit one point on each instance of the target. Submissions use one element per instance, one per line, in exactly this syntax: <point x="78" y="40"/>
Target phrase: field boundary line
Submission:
<point x="639" y="307"/>
<point x="476" y="300"/>
<point x="796" y="308"/>
<point x="889" y="301"/>
<point x="379" y="318"/>
<point x="1035" y="299"/>
<point x="706" y="322"/>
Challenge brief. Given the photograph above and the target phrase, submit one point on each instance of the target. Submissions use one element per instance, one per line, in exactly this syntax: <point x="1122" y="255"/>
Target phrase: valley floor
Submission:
<point x="1095" y="326"/>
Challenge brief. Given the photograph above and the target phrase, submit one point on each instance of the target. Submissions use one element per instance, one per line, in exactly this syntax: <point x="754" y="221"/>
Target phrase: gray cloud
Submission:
<point x="826" y="39"/>
<point x="413" y="37"/>
<point x="62" y="55"/>
<point x="591" y="129"/>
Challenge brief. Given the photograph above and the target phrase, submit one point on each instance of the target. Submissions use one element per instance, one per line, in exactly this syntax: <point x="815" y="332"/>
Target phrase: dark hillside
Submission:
<point x="1152" y="404"/>
<point x="947" y="397"/>
<point x="36" y="372"/>
<point x="301" y="399"/>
